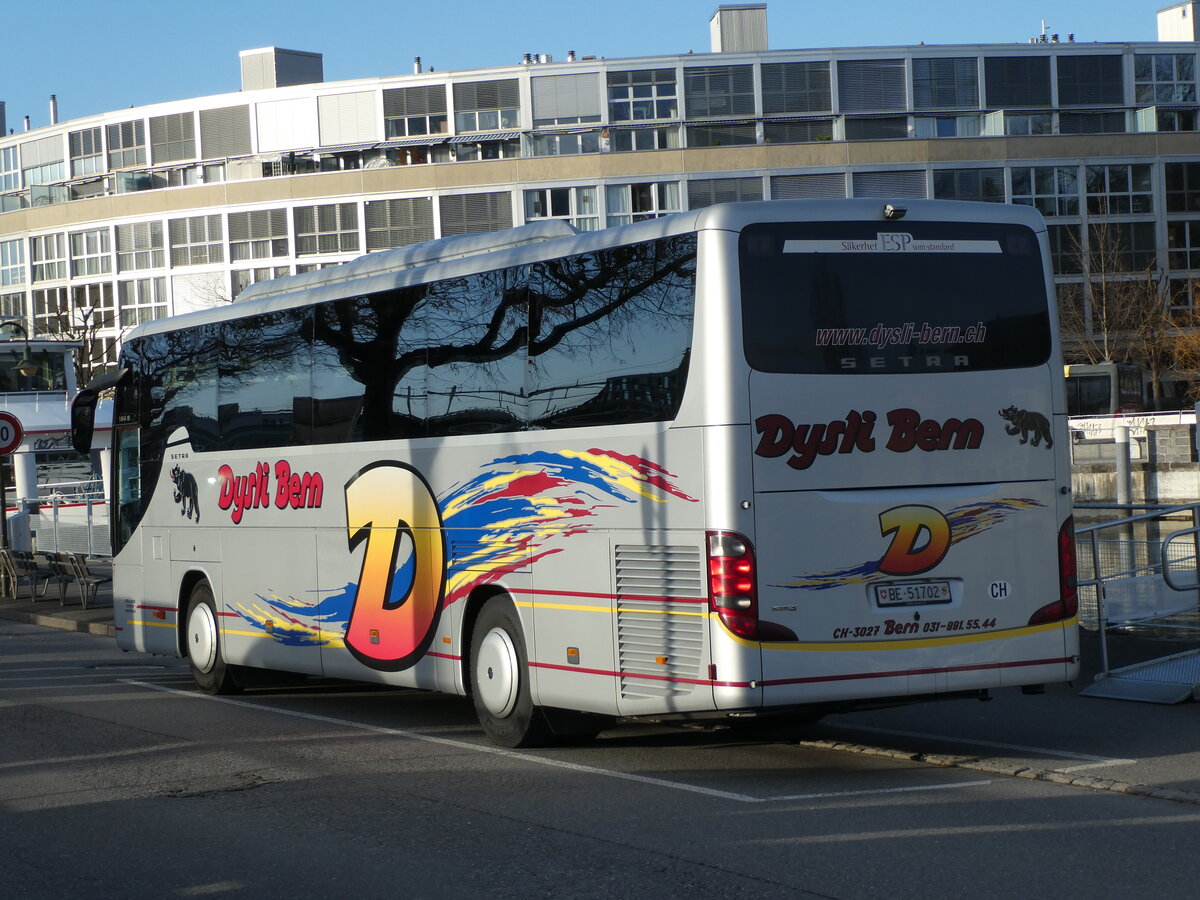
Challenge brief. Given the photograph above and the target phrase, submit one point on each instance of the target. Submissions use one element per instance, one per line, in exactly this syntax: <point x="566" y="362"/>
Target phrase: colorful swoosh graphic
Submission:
<point x="518" y="509"/>
<point x="965" y="522"/>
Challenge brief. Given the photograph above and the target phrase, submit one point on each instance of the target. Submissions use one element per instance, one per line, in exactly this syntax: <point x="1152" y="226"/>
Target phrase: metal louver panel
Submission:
<point x="871" y="84"/>
<point x="796" y="87"/>
<point x="1016" y="81"/>
<point x="415" y="101"/>
<point x="470" y="213"/>
<point x="889" y="184"/>
<point x="1090" y="80"/>
<point x="225" y="132"/>
<point x="706" y="192"/>
<point x="473" y="95"/>
<point x="172" y="137"/>
<point x="347" y="118"/>
<point x="661" y="615"/>
<point x="399" y="222"/>
<point x="42" y="152"/>
<point x="799" y="187"/>
<point x="564" y="96"/>
<point x="259" y="224"/>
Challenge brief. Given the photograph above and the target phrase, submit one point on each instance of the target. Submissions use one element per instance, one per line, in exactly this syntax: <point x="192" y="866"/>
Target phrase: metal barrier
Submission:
<point x="84" y="530"/>
<point x="1135" y="571"/>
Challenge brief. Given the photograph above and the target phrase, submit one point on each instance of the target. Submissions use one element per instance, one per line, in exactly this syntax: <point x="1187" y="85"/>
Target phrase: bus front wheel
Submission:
<point x="500" y="679"/>
<point x="203" y="640"/>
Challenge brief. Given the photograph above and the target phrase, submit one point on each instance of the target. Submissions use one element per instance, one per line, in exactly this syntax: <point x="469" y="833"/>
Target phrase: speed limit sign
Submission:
<point x="11" y="433"/>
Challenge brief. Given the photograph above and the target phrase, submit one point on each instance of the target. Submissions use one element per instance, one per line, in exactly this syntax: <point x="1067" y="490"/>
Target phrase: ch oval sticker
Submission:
<point x="399" y="598"/>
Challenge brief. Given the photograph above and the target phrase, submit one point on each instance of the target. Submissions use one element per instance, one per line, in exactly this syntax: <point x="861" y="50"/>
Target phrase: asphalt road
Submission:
<point x="118" y="780"/>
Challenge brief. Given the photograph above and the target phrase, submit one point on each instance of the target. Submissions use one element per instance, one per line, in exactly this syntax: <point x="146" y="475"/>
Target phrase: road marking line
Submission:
<point x="528" y="757"/>
<point x="897" y="790"/>
<point x="1094" y="762"/>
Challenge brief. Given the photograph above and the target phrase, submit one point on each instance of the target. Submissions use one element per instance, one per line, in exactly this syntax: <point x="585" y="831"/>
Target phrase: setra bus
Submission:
<point x="778" y="457"/>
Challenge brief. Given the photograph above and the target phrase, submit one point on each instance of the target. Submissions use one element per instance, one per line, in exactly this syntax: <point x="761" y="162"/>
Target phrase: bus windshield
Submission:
<point x="866" y="298"/>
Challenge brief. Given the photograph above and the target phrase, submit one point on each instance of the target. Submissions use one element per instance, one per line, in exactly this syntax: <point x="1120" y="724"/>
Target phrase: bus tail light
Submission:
<point x="733" y="583"/>
<point x="1067" y="605"/>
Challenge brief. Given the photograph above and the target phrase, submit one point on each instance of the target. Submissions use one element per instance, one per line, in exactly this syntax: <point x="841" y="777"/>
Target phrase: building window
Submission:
<point x="1052" y="190"/>
<point x="876" y="128"/>
<point x="1183" y="245"/>
<point x="241" y="279"/>
<point x="12" y="262"/>
<point x="92" y="306"/>
<point x="42" y="161"/>
<point x="708" y="191"/>
<point x="1164" y="78"/>
<point x="947" y="126"/>
<point x="1090" y="80"/>
<point x="624" y="139"/>
<point x="197" y="240"/>
<point x="142" y="300"/>
<point x="10" y="169"/>
<point x="476" y="151"/>
<point x="1183" y="186"/>
<point x="87" y="152"/>
<point x="330" y="228"/>
<point x="568" y="144"/>
<point x="12" y="307"/>
<point x="803" y="132"/>
<point x="718" y="91"/>
<point x="1183" y="296"/>
<point x="647" y="200"/>
<point x="48" y="257"/>
<point x="576" y="205"/>
<point x="415" y="111"/>
<point x="1119" y="189"/>
<point x="1104" y="122"/>
<point x="139" y="246"/>
<point x="645" y="94"/>
<point x="1120" y="247"/>
<point x="487" y="105"/>
<point x="1018" y="124"/>
<point x="1175" y="119"/>
<point x="126" y="144"/>
<point x="866" y="85"/>
<point x="91" y="252"/>
<point x="1016" y="81"/>
<point x="721" y="135"/>
<point x="51" y="310"/>
<point x="945" y="83"/>
<point x="969" y="184"/>
<point x="398" y="223"/>
<point x="261" y="234"/>
<point x="1065" y="253"/>
<point x="795" y="87"/>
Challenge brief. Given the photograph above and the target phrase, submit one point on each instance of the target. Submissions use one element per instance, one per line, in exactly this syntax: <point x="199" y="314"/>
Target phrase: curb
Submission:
<point x="62" y="623"/>
<point x="990" y="767"/>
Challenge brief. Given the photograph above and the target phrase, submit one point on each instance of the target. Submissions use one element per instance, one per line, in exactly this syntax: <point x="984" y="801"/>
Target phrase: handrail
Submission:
<point x="1166" y="572"/>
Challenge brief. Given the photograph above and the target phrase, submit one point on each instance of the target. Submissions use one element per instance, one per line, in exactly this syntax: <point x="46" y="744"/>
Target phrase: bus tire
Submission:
<point x="203" y="642"/>
<point x="500" y="679"/>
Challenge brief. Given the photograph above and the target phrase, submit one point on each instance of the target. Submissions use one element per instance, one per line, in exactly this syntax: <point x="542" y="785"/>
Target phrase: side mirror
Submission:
<point x="83" y="409"/>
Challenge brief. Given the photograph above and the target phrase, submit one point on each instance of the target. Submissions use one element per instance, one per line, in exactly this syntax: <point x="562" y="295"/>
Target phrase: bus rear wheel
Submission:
<point x="203" y="640"/>
<point x="500" y="679"/>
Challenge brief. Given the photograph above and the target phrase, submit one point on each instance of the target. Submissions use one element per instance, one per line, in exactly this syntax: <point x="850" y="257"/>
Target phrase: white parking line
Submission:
<point x="540" y="760"/>
<point x="1092" y="761"/>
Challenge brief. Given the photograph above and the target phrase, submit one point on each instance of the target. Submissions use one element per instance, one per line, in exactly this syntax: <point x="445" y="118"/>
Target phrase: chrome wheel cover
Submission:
<point x="497" y="676"/>
<point x="202" y="637"/>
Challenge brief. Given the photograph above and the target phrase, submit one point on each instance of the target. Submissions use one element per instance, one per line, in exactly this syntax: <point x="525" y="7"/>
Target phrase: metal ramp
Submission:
<point x="1144" y="571"/>
<point x="1168" y="680"/>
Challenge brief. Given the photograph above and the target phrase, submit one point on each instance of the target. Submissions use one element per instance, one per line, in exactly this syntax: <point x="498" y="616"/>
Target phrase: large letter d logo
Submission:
<point x="920" y="539"/>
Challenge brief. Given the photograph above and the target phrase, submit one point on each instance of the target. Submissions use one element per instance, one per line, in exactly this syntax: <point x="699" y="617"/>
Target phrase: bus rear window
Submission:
<point x="884" y="297"/>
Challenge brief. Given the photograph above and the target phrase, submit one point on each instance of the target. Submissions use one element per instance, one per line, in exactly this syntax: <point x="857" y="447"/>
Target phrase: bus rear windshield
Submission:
<point x="883" y="298"/>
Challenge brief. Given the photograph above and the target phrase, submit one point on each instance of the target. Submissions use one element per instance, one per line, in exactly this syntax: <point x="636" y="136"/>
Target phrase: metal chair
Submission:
<point x="89" y="582"/>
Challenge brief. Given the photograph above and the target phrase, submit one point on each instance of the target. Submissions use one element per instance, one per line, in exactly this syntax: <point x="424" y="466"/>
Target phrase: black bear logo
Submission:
<point x="1026" y="423"/>
<point x="185" y="493"/>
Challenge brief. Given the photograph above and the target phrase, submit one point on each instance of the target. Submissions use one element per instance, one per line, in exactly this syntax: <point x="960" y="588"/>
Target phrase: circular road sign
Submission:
<point x="11" y="433"/>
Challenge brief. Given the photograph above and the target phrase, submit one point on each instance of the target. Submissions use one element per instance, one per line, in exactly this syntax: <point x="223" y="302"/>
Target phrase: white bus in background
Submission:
<point x="782" y="457"/>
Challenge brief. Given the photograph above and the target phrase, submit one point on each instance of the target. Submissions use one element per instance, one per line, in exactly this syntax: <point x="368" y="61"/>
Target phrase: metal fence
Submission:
<point x="71" y="525"/>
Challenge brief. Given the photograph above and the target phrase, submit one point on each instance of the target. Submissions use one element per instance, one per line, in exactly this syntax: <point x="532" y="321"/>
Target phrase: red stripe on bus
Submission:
<point x="444" y="656"/>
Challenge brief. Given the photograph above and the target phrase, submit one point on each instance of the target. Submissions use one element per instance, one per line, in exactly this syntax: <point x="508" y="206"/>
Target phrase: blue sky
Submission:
<point x="98" y="57"/>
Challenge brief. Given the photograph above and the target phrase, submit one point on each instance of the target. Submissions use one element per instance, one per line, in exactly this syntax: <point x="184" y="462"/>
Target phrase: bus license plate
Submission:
<point x="913" y="593"/>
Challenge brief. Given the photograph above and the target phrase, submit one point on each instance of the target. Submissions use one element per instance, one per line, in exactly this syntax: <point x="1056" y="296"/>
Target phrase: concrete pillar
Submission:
<point x="25" y="475"/>
<point x="1124" y="470"/>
